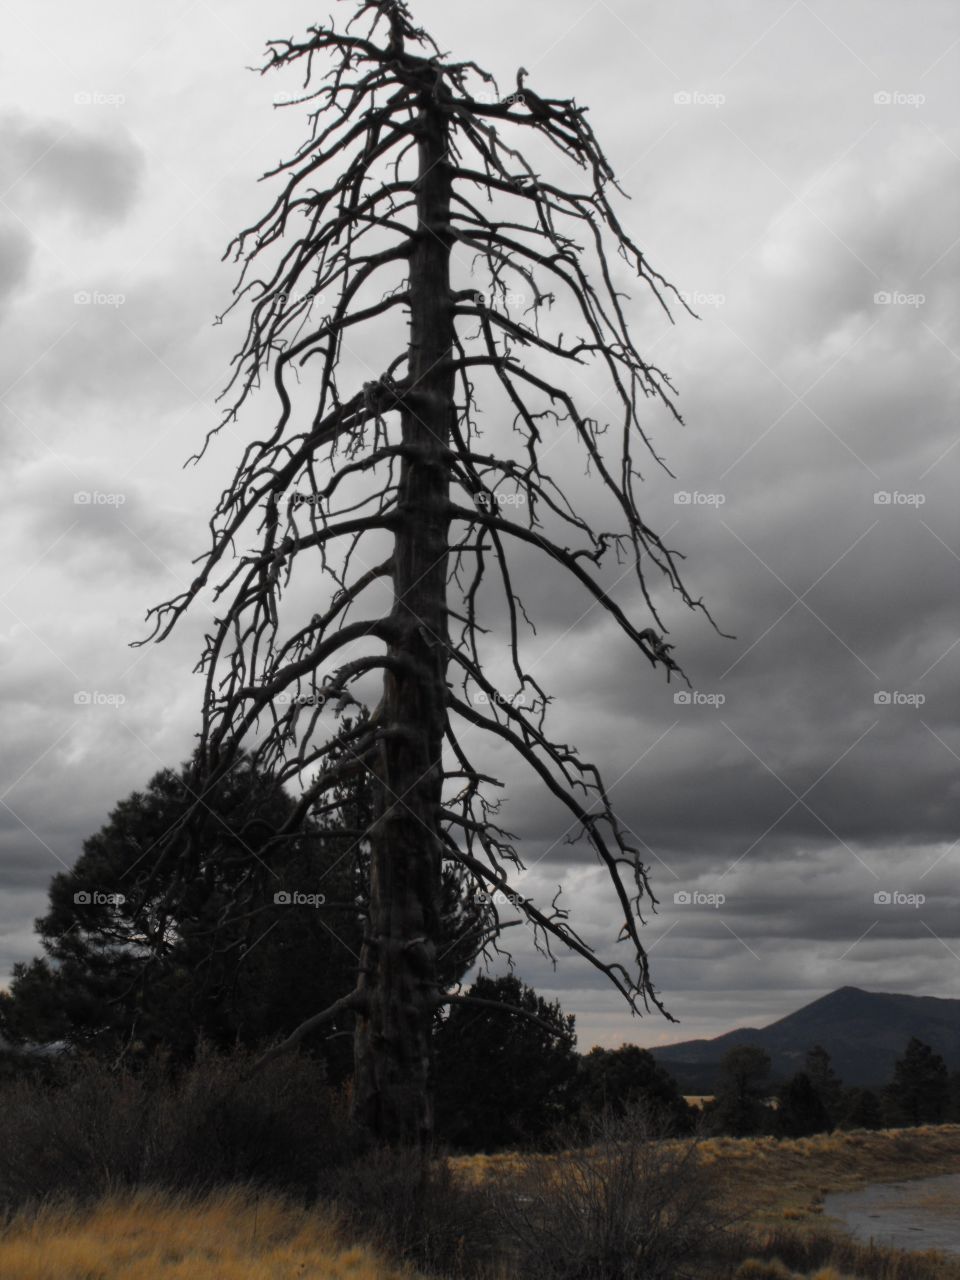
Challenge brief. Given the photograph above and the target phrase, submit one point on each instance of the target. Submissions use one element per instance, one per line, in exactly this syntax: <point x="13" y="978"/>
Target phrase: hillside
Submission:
<point x="863" y="1031"/>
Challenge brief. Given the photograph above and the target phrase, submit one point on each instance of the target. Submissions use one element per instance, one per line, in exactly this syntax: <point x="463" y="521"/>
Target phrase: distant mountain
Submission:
<point x="863" y="1031"/>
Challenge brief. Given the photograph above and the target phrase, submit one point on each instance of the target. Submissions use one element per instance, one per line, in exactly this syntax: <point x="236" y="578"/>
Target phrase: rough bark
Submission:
<point x="393" y="1051"/>
<point x="408" y="148"/>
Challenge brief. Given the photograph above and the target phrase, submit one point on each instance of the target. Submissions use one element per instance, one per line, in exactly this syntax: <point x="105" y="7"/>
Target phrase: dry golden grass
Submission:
<point x="232" y="1235"/>
<point x="770" y="1179"/>
<point x="837" y="1160"/>
<point x="776" y="1188"/>
<point x="774" y="1180"/>
<point x="755" y="1269"/>
<point x="239" y="1235"/>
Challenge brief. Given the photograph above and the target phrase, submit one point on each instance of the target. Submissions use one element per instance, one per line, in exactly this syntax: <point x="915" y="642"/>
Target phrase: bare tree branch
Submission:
<point x="409" y="197"/>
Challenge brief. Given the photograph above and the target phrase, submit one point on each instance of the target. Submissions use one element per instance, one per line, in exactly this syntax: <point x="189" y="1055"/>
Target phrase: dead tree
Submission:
<point x="407" y="179"/>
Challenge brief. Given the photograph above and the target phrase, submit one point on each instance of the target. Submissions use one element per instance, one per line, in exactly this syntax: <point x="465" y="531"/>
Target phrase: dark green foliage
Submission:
<point x="199" y="948"/>
<point x="502" y="1080"/>
<point x="920" y="1090"/>
<point x="800" y="1112"/>
<point x="953" y="1106"/>
<point x="616" y="1079"/>
<point x="740" y="1108"/>
<point x="37" y="1007"/>
<point x="861" y="1110"/>
<point x="826" y="1082"/>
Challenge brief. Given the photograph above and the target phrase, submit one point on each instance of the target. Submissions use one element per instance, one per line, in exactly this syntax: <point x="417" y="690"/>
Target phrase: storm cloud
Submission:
<point x="794" y="171"/>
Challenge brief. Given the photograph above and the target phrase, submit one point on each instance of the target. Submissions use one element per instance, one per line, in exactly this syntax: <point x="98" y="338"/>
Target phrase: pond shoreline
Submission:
<point x="913" y="1214"/>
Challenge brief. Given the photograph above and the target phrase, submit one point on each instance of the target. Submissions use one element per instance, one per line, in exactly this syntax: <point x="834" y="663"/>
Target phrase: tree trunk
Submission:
<point x="393" y="1071"/>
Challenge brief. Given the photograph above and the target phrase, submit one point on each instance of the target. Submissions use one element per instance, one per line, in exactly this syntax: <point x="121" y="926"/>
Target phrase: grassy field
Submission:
<point x="776" y="1188"/>
<point x="153" y="1236"/>
<point x="775" y="1181"/>
<point x="772" y="1180"/>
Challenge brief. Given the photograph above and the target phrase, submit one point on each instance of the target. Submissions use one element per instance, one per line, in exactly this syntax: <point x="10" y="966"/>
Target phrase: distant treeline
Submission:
<point x="145" y="963"/>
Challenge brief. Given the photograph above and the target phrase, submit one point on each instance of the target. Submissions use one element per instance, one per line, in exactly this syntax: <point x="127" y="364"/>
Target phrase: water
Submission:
<point x="923" y="1213"/>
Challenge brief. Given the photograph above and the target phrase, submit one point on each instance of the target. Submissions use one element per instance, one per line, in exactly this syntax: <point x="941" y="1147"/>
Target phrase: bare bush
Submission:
<point x="414" y="1209"/>
<point x="634" y="1205"/>
<point x="91" y="1131"/>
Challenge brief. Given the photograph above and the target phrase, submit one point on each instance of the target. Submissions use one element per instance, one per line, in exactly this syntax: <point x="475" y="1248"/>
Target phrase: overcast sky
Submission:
<point x="795" y="169"/>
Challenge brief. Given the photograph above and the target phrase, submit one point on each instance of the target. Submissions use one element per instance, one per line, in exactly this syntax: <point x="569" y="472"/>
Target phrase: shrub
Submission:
<point x="91" y="1131"/>
<point x="415" y="1210"/>
<point x="631" y="1207"/>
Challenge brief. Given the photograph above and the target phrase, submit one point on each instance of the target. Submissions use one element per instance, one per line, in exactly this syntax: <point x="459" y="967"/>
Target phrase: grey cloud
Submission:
<point x="712" y="212"/>
<point x="16" y="251"/>
<point x="49" y="168"/>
